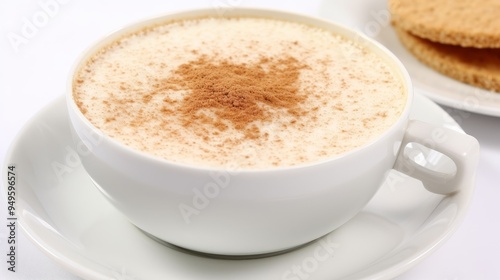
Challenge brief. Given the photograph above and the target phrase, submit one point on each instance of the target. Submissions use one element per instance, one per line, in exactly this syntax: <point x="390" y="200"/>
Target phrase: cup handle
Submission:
<point x="461" y="148"/>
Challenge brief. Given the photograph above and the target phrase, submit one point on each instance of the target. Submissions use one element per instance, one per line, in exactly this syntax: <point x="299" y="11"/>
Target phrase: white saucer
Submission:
<point x="371" y="18"/>
<point x="71" y="222"/>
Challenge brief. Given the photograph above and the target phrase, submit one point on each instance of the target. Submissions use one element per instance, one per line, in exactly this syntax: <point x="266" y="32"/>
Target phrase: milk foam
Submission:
<point x="352" y="94"/>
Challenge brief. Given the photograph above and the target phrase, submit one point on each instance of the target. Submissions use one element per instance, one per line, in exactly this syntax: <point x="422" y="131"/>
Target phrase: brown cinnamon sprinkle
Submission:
<point x="238" y="93"/>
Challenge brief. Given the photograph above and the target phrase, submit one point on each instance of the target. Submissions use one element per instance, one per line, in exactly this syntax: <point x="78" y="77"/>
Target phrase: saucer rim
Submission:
<point x="390" y="271"/>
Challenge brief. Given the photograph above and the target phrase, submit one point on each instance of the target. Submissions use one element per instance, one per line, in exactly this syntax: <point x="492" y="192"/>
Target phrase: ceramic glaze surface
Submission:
<point x="245" y="212"/>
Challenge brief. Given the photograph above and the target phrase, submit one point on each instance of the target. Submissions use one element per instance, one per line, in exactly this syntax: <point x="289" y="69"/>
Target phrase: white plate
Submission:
<point x="371" y="17"/>
<point x="61" y="211"/>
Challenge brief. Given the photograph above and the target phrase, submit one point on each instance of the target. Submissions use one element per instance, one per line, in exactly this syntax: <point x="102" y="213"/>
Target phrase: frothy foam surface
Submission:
<point x="247" y="92"/>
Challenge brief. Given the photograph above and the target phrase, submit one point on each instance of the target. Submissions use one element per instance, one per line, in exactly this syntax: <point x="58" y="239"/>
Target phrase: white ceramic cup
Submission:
<point x="244" y="212"/>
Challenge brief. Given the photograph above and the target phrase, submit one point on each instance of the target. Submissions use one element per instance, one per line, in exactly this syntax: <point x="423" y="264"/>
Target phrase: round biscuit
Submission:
<point x="467" y="23"/>
<point x="478" y="67"/>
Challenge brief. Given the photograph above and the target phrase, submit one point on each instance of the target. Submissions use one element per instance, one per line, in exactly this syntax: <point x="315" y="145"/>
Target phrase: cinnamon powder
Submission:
<point x="240" y="94"/>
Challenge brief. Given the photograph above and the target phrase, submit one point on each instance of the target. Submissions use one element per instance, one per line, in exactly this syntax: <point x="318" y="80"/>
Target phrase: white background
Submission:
<point x="33" y="72"/>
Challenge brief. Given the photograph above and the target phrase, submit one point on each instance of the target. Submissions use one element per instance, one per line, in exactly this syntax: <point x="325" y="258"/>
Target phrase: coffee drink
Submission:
<point x="245" y="91"/>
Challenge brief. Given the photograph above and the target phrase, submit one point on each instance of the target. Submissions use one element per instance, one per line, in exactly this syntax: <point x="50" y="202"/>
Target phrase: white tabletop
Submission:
<point x="34" y="68"/>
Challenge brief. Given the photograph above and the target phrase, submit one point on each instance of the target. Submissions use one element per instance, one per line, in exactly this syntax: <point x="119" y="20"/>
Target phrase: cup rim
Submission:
<point x="347" y="32"/>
